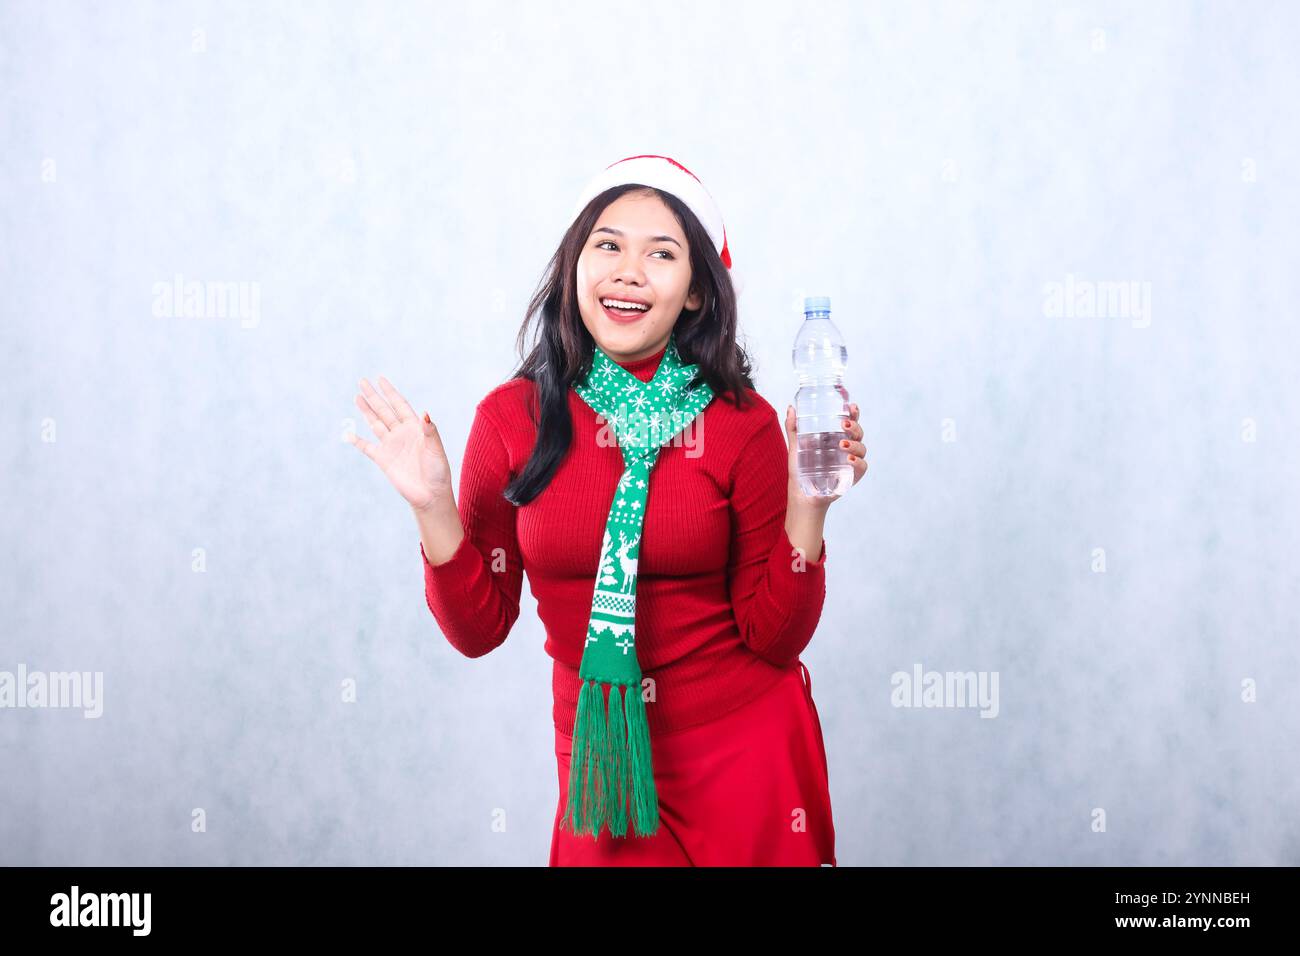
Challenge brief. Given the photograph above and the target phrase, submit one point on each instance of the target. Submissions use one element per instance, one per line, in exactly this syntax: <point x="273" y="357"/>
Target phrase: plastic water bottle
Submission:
<point x="822" y="402"/>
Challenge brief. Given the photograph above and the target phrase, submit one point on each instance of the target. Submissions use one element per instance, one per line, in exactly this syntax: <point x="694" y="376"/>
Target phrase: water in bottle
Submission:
<point x="822" y="402"/>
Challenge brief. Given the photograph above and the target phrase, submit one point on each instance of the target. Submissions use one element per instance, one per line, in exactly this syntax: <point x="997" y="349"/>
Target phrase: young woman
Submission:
<point x="632" y="470"/>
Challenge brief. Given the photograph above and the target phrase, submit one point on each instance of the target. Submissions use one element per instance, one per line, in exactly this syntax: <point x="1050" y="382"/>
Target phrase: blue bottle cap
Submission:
<point x="816" y="303"/>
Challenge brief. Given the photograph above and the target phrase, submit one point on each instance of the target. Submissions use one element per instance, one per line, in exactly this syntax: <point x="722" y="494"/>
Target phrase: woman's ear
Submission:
<point x="694" y="300"/>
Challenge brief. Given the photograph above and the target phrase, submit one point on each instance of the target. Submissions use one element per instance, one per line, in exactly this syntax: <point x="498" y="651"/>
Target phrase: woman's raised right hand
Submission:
<point x="409" y="450"/>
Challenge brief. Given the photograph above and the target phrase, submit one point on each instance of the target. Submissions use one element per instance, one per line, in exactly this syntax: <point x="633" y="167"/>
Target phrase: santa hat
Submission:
<point x="667" y="174"/>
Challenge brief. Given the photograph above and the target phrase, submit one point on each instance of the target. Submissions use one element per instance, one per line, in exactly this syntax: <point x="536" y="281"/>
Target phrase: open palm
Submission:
<point x="409" y="449"/>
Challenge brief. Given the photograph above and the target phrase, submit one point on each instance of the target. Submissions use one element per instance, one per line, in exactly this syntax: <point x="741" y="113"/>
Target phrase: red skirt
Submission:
<point x="749" y="789"/>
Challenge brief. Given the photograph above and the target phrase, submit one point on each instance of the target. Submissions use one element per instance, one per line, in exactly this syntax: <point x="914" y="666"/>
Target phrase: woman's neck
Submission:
<point x="645" y="367"/>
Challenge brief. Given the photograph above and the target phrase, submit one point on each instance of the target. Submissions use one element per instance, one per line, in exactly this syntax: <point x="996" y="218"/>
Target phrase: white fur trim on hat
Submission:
<point x="667" y="174"/>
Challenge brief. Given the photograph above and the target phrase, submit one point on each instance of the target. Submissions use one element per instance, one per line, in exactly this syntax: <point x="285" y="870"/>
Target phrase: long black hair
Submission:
<point x="562" y="347"/>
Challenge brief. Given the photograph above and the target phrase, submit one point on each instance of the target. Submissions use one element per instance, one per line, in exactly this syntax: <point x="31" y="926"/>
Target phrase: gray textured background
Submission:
<point x="394" y="180"/>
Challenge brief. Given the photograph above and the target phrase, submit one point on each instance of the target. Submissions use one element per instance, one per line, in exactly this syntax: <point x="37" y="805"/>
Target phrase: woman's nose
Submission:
<point x="629" y="270"/>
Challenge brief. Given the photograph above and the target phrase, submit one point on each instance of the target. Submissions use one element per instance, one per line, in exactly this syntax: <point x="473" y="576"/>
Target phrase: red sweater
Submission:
<point x="722" y="610"/>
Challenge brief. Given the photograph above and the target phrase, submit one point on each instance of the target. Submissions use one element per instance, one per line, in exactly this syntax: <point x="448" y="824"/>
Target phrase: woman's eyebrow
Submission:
<point x="619" y="233"/>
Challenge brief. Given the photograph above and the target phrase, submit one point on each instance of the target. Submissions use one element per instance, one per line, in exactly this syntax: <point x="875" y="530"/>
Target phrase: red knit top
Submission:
<point x="724" y="602"/>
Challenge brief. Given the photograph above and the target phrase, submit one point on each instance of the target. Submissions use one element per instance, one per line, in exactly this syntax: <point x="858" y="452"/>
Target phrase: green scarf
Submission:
<point x="611" y="761"/>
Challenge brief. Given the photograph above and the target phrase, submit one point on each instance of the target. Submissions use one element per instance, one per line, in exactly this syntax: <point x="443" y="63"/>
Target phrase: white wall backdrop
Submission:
<point x="1094" y="504"/>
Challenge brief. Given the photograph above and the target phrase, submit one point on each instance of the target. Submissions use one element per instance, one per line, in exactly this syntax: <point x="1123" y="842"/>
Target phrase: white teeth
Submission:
<point x="620" y="303"/>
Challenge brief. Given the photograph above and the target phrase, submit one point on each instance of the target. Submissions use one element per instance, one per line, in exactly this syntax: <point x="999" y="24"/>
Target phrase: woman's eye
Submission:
<point x="610" y="242"/>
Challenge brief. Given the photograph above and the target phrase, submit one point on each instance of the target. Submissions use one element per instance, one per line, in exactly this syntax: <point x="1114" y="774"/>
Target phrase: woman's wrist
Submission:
<point x="440" y="531"/>
<point x="804" y="523"/>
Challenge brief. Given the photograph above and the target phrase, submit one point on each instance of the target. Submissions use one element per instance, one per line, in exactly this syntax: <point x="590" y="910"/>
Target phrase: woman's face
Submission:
<point x="638" y="252"/>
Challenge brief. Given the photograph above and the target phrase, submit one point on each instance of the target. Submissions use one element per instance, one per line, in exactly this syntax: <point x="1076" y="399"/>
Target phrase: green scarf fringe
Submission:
<point x="612" y="757"/>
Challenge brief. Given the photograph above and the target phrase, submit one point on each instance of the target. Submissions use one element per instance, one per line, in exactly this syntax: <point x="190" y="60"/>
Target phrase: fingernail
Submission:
<point x="844" y="444"/>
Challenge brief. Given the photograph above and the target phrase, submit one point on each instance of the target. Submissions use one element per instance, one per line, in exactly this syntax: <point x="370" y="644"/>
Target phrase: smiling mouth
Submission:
<point x="629" y="314"/>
